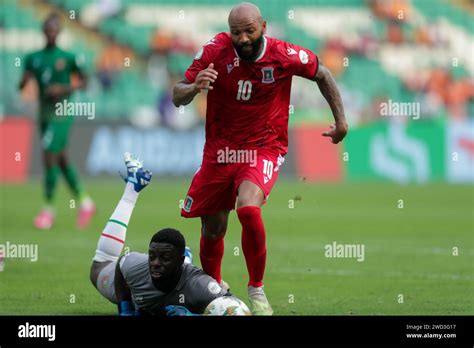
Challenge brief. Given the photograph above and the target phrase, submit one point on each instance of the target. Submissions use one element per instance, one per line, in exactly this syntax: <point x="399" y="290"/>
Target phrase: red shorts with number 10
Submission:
<point x="214" y="186"/>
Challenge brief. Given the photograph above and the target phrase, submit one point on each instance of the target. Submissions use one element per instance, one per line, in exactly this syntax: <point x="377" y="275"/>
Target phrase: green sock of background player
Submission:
<point x="72" y="179"/>
<point x="50" y="183"/>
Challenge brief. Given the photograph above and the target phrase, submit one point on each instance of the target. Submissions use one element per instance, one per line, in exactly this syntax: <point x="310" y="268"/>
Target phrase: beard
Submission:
<point x="247" y="54"/>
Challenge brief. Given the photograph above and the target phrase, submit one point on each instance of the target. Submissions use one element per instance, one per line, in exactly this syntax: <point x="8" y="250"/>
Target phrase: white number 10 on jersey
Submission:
<point x="245" y="90"/>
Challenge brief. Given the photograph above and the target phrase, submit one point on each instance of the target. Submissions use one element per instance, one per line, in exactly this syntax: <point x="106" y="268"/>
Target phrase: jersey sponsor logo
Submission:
<point x="214" y="288"/>
<point x="304" y="57"/>
<point x="188" y="204"/>
<point x="267" y="75"/>
<point x="230" y="67"/>
<point x="291" y="51"/>
<point x="199" y="54"/>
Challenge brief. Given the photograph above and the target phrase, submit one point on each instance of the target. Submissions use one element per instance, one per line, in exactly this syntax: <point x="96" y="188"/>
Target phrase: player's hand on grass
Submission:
<point x="204" y="78"/>
<point x="178" y="311"/>
<point x="337" y="132"/>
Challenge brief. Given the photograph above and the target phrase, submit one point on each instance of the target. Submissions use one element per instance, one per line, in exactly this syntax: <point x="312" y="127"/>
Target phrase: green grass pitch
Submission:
<point x="408" y="251"/>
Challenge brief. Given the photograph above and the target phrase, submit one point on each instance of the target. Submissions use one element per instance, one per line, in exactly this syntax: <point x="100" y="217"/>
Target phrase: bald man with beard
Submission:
<point x="248" y="78"/>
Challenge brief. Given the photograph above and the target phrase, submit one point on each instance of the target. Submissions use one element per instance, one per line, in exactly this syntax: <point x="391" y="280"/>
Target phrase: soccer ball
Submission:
<point x="227" y="305"/>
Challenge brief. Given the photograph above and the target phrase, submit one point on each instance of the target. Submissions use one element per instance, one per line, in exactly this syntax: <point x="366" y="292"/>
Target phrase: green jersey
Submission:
<point x="50" y="66"/>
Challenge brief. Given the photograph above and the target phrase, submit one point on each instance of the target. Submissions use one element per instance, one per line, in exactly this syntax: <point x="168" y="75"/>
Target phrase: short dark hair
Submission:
<point x="171" y="236"/>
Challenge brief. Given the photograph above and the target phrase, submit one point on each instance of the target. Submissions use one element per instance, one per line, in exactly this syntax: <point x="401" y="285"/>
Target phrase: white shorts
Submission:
<point x="105" y="282"/>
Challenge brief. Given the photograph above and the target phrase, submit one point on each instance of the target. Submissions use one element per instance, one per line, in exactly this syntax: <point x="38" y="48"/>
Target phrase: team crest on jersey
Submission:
<point x="187" y="204"/>
<point x="267" y="75"/>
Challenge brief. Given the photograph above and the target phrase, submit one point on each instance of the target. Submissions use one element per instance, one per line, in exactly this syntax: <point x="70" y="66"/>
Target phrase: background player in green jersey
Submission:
<point x="52" y="68"/>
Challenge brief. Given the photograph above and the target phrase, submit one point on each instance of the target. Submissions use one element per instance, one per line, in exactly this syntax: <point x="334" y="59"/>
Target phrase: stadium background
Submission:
<point x="405" y="51"/>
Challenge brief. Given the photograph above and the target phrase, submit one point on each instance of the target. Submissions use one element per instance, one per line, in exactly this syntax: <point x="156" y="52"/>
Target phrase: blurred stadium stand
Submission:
<point x="403" y="50"/>
<point x="162" y="35"/>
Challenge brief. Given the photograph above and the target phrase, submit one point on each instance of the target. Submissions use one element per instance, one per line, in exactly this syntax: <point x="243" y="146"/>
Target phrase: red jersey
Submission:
<point x="249" y="105"/>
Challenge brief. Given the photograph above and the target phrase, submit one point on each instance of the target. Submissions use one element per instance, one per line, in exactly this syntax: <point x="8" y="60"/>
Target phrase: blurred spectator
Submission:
<point x="333" y="54"/>
<point x="458" y="95"/>
<point x="422" y="36"/>
<point x="390" y="9"/>
<point x="93" y="14"/>
<point x="438" y="89"/>
<point x="437" y="82"/>
<point x="110" y="62"/>
<point x="164" y="42"/>
<point x="161" y="42"/>
<point x="395" y="33"/>
<point x="181" y="118"/>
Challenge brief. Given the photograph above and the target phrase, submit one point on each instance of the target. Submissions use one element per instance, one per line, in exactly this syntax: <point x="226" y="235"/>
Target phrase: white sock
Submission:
<point x="112" y="240"/>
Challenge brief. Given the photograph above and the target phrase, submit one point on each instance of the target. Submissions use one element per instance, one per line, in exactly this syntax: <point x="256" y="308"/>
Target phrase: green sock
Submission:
<point x="73" y="181"/>
<point x="51" y="179"/>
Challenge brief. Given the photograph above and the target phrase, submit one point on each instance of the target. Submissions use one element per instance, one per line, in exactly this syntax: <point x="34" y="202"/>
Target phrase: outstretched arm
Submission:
<point x="327" y="86"/>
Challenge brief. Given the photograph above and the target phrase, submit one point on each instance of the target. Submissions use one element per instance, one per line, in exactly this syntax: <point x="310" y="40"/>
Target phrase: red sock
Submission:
<point x="211" y="253"/>
<point x="253" y="243"/>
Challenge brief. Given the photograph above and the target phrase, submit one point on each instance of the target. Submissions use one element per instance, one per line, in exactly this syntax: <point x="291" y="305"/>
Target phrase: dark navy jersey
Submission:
<point x="195" y="289"/>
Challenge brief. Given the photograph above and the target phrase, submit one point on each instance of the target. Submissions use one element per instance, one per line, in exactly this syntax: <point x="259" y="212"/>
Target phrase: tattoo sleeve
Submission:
<point x="327" y="86"/>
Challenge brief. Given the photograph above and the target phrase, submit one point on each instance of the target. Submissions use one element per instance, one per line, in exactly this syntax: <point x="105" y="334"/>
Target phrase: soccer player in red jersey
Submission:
<point x="248" y="78"/>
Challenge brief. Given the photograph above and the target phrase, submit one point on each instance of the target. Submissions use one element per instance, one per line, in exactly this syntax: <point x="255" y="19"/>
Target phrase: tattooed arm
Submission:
<point x="329" y="90"/>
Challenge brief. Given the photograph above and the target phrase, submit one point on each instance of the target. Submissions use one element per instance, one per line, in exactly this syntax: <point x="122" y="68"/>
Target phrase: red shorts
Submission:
<point x="214" y="186"/>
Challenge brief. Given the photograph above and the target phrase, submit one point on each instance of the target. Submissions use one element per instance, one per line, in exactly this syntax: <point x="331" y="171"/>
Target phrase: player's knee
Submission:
<point x="214" y="230"/>
<point x="215" y="226"/>
<point x="249" y="195"/>
<point x="250" y="199"/>
<point x="62" y="161"/>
